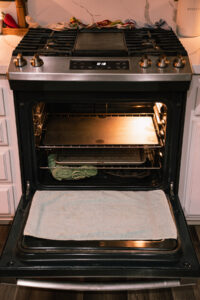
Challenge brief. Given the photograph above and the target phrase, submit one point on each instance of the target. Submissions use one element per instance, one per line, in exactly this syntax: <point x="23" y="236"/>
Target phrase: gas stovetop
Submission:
<point x="100" y="55"/>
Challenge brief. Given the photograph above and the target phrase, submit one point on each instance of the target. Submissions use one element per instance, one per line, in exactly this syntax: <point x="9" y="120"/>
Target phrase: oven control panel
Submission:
<point x="133" y="69"/>
<point x="99" y="65"/>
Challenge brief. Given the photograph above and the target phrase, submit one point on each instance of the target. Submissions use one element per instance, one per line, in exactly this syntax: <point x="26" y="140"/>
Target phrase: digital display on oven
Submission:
<point x="99" y="65"/>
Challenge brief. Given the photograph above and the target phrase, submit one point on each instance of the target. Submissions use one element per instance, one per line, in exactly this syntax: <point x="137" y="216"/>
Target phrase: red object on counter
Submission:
<point x="104" y="23"/>
<point x="9" y="21"/>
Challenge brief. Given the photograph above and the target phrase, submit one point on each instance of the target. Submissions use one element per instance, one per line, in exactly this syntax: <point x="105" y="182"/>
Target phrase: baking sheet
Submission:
<point x="100" y="215"/>
<point x="110" y="130"/>
<point x="102" y="156"/>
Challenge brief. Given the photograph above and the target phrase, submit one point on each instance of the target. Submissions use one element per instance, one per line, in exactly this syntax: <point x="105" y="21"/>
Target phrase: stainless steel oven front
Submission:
<point x="100" y="135"/>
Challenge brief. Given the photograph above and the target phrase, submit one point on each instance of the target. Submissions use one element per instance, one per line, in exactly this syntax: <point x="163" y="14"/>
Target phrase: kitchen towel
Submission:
<point x="100" y="215"/>
<point x="63" y="172"/>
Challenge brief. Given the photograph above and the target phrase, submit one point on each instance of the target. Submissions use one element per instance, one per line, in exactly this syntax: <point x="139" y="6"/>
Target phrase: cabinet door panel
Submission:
<point x="197" y="106"/>
<point x="3" y="132"/>
<point x="193" y="183"/>
<point x="2" y="108"/>
<point x="6" y="200"/>
<point x="5" y="168"/>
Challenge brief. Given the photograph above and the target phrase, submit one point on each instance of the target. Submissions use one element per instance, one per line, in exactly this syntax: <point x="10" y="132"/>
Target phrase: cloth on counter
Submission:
<point x="63" y="172"/>
<point x="159" y="24"/>
<point x="100" y="215"/>
<point x="31" y="22"/>
<point x="75" y="23"/>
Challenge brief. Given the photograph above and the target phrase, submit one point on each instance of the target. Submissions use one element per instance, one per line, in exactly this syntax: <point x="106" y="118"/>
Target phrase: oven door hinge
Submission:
<point x="172" y="189"/>
<point x="28" y="189"/>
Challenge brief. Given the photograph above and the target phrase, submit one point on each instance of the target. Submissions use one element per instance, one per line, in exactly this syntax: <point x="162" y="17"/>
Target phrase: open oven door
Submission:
<point x="39" y="262"/>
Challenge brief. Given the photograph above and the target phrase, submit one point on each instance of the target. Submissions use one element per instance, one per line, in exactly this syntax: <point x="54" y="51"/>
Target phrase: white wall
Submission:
<point x="8" y="7"/>
<point x="53" y="11"/>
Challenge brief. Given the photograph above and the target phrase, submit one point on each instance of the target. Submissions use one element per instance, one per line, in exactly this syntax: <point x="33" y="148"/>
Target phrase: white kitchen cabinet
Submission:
<point x="189" y="188"/>
<point x="7" y="205"/>
<point x="192" y="205"/>
<point x="10" y="182"/>
<point x="2" y="108"/>
<point x="5" y="169"/>
<point x="3" y="132"/>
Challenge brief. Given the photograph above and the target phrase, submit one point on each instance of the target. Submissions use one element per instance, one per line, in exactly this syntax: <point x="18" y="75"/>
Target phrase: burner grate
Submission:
<point x="153" y="42"/>
<point x="138" y="41"/>
<point x="47" y="42"/>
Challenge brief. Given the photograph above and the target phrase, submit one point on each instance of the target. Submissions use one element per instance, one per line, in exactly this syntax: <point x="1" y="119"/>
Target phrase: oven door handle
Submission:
<point x="88" y="286"/>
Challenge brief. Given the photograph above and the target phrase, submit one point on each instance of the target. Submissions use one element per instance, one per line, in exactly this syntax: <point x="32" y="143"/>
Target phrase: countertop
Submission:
<point x="192" y="45"/>
<point x="7" y="45"/>
<point x="9" y="42"/>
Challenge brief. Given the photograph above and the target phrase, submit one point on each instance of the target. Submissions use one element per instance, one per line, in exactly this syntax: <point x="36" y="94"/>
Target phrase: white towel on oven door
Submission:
<point x="100" y="215"/>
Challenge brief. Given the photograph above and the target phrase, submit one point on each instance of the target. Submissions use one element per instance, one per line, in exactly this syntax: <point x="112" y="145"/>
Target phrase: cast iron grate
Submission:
<point x="153" y="42"/>
<point x="61" y="43"/>
<point x="47" y="42"/>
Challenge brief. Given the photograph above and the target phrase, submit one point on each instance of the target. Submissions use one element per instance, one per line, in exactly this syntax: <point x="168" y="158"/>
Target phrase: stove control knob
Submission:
<point x="162" y="62"/>
<point x="179" y="62"/>
<point x="36" y="61"/>
<point x="145" y="62"/>
<point x="19" y="61"/>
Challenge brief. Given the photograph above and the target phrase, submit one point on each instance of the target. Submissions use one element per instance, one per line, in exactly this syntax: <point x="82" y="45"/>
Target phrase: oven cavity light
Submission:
<point x="159" y="105"/>
<point x="157" y="114"/>
<point x="158" y="119"/>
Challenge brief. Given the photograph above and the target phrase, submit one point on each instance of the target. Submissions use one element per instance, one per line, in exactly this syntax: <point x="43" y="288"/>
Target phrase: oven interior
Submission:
<point x="110" y="144"/>
<point x="100" y="146"/>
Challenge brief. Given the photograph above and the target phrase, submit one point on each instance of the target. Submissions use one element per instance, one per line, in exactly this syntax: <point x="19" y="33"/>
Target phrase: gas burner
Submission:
<point x="150" y="44"/>
<point x="51" y="43"/>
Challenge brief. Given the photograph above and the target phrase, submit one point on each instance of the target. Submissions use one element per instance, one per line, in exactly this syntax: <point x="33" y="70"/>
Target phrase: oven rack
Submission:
<point x="103" y="115"/>
<point x="92" y="125"/>
<point x="155" y="167"/>
<point x="54" y="147"/>
<point x="137" y="159"/>
<point x="94" y="115"/>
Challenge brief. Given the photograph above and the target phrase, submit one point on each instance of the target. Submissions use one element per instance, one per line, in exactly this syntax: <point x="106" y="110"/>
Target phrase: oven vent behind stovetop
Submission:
<point x="47" y="42"/>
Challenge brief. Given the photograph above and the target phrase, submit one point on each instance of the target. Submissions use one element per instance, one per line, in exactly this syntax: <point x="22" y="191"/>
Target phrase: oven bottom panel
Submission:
<point x="124" y="178"/>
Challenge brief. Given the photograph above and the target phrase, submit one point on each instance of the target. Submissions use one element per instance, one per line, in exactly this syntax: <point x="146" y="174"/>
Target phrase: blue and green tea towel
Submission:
<point x="63" y="172"/>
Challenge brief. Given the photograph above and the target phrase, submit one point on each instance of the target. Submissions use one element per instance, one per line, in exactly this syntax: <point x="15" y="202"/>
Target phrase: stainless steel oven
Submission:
<point x="100" y="134"/>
